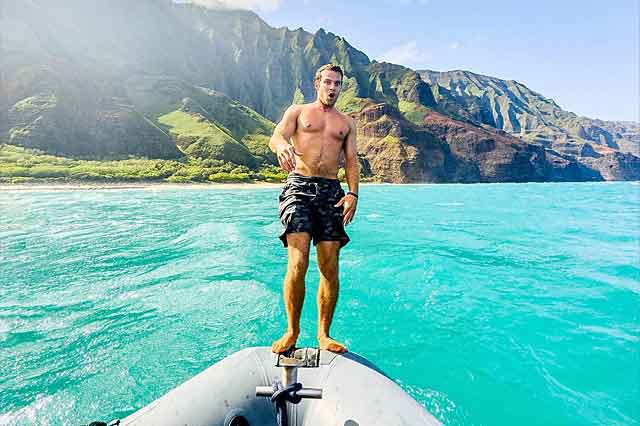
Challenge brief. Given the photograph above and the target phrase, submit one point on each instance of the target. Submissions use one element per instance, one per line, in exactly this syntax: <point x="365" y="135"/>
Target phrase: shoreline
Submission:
<point x="92" y="186"/>
<point x="99" y="186"/>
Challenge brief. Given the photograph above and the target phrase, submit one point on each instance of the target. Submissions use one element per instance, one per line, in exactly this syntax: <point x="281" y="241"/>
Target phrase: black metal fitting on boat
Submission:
<point x="289" y="390"/>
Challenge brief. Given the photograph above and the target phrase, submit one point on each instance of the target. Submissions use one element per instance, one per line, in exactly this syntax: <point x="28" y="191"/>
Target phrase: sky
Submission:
<point x="582" y="54"/>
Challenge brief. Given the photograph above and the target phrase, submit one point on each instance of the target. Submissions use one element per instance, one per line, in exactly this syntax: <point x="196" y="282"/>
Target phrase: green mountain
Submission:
<point x="511" y="106"/>
<point x="204" y="123"/>
<point x="152" y="78"/>
<point x="68" y="64"/>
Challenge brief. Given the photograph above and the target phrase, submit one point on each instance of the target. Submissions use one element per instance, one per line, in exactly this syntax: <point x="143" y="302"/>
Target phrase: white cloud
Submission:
<point x="255" y="5"/>
<point x="408" y="54"/>
<point x="454" y="45"/>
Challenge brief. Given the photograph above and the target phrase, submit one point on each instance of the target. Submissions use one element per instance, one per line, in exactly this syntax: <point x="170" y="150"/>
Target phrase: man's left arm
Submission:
<point x="352" y="174"/>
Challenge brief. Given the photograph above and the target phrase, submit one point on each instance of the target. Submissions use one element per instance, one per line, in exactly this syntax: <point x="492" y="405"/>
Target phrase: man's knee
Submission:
<point x="297" y="266"/>
<point x="329" y="272"/>
<point x="328" y="260"/>
<point x="298" y="255"/>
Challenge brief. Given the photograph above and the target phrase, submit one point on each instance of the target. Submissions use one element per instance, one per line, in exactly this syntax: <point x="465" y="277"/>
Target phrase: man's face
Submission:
<point x="329" y="87"/>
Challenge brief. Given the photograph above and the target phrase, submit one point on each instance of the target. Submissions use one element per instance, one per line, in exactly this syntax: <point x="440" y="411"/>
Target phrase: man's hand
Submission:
<point x="350" y="204"/>
<point x="286" y="156"/>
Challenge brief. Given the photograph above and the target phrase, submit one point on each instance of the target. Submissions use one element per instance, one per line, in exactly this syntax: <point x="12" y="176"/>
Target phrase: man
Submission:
<point x="309" y="142"/>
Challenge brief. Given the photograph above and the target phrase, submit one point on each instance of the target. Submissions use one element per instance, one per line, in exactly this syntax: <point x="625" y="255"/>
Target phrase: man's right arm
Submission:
<point x="279" y="142"/>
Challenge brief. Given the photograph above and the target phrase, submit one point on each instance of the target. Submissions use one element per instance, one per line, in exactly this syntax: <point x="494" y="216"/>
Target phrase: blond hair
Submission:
<point x="329" y="67"/>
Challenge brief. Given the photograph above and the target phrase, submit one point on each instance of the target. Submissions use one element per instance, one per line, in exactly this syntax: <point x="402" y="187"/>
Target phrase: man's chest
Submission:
<point x="324" y="125"/>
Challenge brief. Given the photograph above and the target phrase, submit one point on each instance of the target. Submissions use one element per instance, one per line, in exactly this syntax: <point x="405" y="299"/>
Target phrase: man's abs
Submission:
<point x="320" y="155"/>
<point x="320" y="168"/>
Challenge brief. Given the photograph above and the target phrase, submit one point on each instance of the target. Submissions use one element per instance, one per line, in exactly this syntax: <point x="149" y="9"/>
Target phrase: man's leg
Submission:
<point x="328" y="253"/>
<point x="298" y="255"/>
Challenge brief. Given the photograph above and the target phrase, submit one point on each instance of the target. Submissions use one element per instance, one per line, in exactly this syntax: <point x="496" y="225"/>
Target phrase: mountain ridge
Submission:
<point x="532" y="116"/>
<point x="185" y="49"/>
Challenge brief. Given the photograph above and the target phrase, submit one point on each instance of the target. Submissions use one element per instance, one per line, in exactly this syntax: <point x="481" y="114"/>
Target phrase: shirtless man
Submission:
<point x="308" y="142"/>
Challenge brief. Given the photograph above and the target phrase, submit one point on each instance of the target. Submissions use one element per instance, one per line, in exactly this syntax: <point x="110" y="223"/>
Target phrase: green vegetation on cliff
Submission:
<point x="200" y="138"/>
<point x="413" y="112"/>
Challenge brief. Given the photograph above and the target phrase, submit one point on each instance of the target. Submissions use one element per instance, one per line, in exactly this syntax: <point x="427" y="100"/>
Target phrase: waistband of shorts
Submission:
<point x="293" y="176"/>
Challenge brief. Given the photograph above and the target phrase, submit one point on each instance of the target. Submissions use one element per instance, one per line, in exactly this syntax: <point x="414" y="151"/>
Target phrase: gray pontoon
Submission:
<point x="305" y="387"/>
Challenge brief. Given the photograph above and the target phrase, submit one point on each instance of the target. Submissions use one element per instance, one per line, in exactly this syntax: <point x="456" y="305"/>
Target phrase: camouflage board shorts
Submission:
<point x="307" y="205"/>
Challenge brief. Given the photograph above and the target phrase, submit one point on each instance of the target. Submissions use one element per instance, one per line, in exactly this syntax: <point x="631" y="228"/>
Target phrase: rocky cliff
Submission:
<point x="443" y="150"/>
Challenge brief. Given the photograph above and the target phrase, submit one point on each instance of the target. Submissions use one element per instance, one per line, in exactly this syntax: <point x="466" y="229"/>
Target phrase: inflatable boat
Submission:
<point x="303" y="387"/>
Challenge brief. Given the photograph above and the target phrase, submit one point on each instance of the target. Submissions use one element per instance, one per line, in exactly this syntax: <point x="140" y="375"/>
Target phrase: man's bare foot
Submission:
<point x="326" y="342"/>
<point x="286" y="342"/>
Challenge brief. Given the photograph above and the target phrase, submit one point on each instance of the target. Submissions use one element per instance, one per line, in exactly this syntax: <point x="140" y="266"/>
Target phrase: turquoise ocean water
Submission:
<point x="496" y="304"/>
